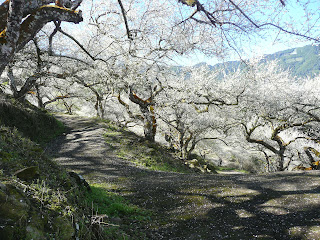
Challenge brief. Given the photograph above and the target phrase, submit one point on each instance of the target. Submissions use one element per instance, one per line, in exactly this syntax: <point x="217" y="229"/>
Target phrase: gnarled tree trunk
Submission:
<point x="149" y="119"/>
<point x="21" y="21"/>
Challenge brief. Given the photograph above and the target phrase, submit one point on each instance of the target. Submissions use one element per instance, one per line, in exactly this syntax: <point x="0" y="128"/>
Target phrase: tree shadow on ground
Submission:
<point x="84" y="150"/>
<point x="233" y="207"/>
<point x="194" y="206"/>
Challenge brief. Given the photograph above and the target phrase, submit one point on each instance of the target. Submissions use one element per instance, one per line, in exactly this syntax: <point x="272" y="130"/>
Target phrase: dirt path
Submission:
<point x="193" y="206"/>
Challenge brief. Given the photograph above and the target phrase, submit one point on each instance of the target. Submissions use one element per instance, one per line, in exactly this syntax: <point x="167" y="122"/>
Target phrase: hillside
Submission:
<point x="37" y="196"/>
<point x="186" y="205"/>
<point x="33" y="123"/>
<point x="40" y="199"/>
<point x="138" y="190"/>
<point x="302" y="61"/>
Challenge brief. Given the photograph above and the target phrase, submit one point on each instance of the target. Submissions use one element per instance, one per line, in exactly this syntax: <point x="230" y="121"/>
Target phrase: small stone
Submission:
<point x="116" y="220"/>
<point x="3" y="187"/>
<point x="194" y="162"/>
<point x="80" y="180"/>
<point x="28" y="173"/>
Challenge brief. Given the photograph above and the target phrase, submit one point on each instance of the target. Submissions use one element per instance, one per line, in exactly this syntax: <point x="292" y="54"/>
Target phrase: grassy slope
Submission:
<point x="51" y="204"/>
<point x="154" y="156"/>
<point x="185" y="206"/>
<point x="41" y="203"/>
<point x="33" y="123"/>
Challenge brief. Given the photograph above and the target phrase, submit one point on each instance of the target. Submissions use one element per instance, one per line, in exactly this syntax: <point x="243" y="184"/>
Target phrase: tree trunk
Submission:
<point x="280" y="163"/>
<point x="99" y="107"/>
<point x="149" y="119"/>
<point x="149" y="123"/>
<point x="39" y="98"/>
<point x="16" y="32"/>
<point x="280" y="152"/>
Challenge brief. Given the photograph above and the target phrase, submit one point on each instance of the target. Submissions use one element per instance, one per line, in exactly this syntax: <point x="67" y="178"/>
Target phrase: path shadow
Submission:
<point x="84" y="149"/>
<point x="233" y="207"/>
<point x="192" y="206"/>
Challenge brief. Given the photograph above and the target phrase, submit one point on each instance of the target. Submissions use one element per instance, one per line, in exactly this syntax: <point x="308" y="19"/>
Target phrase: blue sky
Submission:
<point x="265" y="47"/>
<point x="295" y="10"/>
<point x="272" y="43"/>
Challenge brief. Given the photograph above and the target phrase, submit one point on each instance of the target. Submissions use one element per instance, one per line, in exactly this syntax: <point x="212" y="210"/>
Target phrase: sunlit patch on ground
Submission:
<point x="242" y="213"/>
<point x="237" y="195"/>
<point x="191" y="205"/>
<point x="289" y="203"/>
<point x="275" y="210"/>
<point x="305" y="232"/>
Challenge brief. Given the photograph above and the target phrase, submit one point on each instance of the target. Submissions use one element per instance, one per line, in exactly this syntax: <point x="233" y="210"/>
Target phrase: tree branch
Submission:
<point x="55" y="99"/>
<point x="125" y="20"/>
<point x="243" y="13"/>
<point x="127" y="107"/>
<point x="27" y="9"/>
<point x="32" y="25"/>
<point x="17" y="35"/>
<point x="257" y="141"/>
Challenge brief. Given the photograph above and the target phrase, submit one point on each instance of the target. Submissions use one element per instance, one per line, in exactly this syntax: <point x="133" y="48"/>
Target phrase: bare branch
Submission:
<point x="127" y="107"/>
<point x="125" y="20"/>
<point x="290" y="32"/>
<point x="212" y="138"/>
<point x="213" y="20"/>
<point x="82" y="47"/>
<point x="55" y="99"/>
<point x="243" y="13"/>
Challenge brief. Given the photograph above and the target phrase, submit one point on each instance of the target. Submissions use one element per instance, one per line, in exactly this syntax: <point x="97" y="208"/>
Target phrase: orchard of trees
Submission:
<point x="117" y="59"/>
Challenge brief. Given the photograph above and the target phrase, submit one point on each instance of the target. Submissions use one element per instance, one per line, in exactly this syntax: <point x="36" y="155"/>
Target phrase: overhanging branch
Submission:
<point x="33" y="23"/>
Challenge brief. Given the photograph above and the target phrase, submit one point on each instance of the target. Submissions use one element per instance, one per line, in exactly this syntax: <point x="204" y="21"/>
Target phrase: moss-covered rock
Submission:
<point x="28" y="173"/>
<point x="63" y="228"/>
<point x="38" y="199"/>
<point x="14" y="208"/>
<point x="20" y="218"/>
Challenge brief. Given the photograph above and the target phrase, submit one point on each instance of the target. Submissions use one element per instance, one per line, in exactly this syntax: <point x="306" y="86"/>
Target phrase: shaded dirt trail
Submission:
<point x="194" y="206"/>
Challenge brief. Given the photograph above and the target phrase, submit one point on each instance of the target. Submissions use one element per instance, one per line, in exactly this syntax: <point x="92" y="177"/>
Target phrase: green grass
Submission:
<point x="51" y="197"/>
<point x="101" y="212"/>
<point x="113" y="205"/>
<point x="58" y="198"/>
<point x="153" y="156"/>
<point x="119" y="219"/>
<point x="34" y="123"/>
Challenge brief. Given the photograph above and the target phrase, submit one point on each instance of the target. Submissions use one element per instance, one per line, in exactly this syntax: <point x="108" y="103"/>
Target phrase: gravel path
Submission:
<point x="197" y="206"/>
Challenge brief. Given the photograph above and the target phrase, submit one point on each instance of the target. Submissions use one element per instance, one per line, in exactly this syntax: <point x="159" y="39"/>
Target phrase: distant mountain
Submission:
<point x="302" y="61"/>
